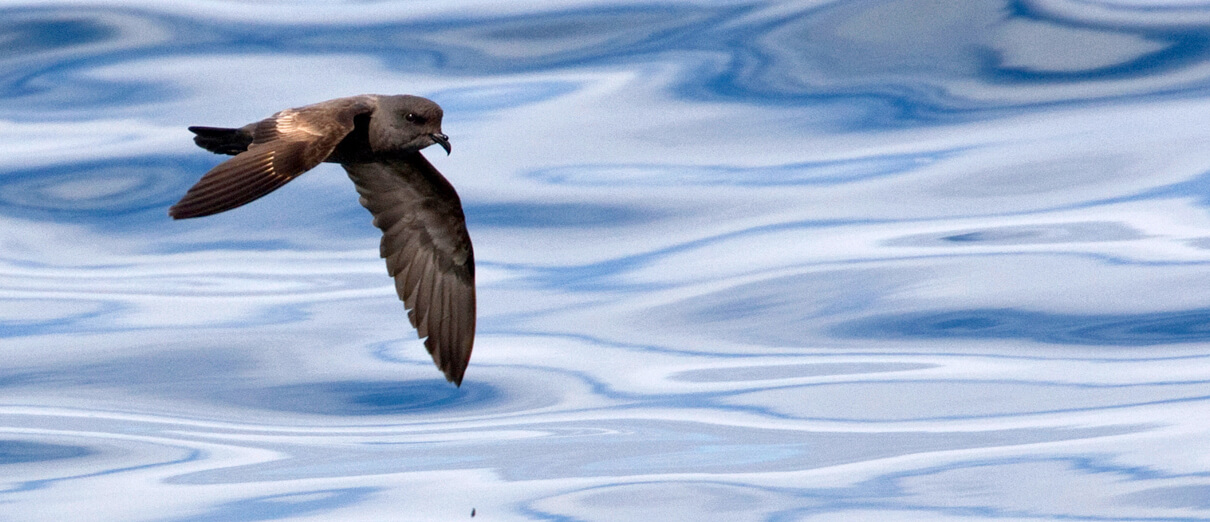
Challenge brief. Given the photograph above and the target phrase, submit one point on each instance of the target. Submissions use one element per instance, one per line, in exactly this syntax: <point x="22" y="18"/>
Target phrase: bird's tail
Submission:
<point x="222" y="141"/>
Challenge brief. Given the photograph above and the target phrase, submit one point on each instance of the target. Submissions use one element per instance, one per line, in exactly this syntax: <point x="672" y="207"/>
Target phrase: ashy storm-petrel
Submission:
<point x="377" y="139"/>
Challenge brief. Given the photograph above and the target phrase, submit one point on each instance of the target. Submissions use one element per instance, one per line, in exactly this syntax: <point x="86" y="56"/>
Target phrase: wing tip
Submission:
<point x="454" y="368"/>
<point x="454" y="374"/>
<point x="183" y="210"/>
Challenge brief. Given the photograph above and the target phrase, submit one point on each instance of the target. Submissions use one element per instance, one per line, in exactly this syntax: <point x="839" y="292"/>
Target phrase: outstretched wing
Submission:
<point x="427" y="251"/>
<point x="284" y="146"/>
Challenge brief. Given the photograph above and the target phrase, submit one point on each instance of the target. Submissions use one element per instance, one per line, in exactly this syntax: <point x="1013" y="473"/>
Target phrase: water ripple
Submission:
<point x="21" y="451"/>
<point x="923" y="69"/>
<point x="813" y="173"/>
<point x="737" y="260"/>
<point x="95" y="190"/>
<point x="356" y="398"/>
<point x="1182" y="326"/>
<point x="269" y="507"/>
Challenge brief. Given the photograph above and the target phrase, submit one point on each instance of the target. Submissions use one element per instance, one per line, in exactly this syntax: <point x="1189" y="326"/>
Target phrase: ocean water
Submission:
<point x="815" y="260"/>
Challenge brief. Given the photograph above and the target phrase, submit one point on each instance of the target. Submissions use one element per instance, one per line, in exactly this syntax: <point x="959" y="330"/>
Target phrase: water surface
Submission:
<point x="737" y="261"/>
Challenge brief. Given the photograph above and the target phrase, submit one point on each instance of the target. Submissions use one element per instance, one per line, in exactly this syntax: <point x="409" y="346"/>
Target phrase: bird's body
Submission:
<point x="377" y="139"/>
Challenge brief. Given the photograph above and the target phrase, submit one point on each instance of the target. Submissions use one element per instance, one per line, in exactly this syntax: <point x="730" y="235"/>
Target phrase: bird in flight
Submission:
<point x="377" y="139"/>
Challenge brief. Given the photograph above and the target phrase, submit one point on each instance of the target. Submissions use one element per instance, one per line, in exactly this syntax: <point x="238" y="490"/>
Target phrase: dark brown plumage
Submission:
<point x="377" y="139"/>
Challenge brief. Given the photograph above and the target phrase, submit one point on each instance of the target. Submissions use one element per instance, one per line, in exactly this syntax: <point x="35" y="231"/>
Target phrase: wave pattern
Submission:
<point x="737" y="261"/>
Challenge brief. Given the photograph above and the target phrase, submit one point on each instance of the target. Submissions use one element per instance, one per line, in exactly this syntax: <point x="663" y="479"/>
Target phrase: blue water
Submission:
<point x="853" y="260"/>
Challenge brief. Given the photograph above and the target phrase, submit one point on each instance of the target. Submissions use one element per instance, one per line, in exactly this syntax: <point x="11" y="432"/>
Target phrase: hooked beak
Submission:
<point x="442" y="140"/>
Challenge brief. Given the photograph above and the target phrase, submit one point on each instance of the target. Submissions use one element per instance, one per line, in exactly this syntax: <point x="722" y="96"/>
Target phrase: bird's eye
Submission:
<point x="414" y="118"/>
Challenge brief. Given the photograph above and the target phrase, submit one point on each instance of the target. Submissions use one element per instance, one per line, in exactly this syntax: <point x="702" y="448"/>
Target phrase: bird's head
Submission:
<point x="406" y="124"/>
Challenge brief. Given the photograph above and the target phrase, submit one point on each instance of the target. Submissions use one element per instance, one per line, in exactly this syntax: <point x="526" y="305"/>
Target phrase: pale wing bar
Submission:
<point x="284" y="146"/>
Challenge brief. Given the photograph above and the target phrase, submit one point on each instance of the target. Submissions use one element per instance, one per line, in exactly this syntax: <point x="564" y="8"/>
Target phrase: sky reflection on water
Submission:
<point x="841" y="260"/>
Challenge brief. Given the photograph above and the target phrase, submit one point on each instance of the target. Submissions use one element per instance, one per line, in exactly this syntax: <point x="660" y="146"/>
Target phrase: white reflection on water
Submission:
<point x="740" y="261"/>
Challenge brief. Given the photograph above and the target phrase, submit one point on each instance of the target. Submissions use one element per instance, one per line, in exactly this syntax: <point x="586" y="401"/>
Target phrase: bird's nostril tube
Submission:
<point x="442" y="140"/>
